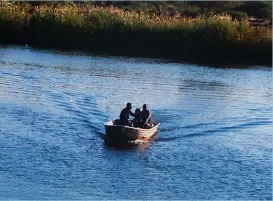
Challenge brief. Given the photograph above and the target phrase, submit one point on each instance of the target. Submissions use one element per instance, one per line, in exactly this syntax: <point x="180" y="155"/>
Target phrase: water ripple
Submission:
<point x="215" y="135"/>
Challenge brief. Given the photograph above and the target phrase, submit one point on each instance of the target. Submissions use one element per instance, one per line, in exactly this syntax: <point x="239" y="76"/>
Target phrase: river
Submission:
<point x="215" y="138"/>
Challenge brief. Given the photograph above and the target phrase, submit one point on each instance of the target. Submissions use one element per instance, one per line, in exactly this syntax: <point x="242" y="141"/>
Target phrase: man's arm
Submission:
<point x="132" y="114"/>
<point x="149" y="117"/>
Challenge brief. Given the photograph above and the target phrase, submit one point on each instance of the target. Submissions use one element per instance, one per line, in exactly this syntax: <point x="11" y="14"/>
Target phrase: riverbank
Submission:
<point x="214" y="40"/>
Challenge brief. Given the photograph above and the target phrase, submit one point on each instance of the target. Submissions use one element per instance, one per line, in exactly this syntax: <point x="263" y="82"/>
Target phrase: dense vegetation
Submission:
<point x="256" y="9"/>
<point x="207" y="38"/>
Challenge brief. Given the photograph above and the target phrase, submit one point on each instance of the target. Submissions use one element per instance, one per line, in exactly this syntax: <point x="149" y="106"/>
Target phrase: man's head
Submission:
<point x="129" y="106"/>
<point x="137" y="111"/>
<point x="145" y="107"/>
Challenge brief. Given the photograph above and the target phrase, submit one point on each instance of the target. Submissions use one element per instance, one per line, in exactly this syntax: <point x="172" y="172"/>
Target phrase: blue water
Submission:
<point x="215" y="140"/>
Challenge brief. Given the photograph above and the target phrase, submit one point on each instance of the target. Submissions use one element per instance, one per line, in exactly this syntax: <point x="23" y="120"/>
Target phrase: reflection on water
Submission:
<point x="215" y="133"/>
<point x="133" y="145"/>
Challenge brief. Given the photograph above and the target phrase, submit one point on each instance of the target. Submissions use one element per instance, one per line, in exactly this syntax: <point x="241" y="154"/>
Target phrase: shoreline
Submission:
<point x="148" y="59"/>
<point x="205" y="41"/>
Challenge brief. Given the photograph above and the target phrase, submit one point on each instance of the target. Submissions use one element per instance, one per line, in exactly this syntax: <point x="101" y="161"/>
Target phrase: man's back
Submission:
<point x="124" y="114"/>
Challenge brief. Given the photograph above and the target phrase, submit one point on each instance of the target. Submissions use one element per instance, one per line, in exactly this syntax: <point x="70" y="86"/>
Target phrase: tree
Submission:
<point x="258" y="9"/>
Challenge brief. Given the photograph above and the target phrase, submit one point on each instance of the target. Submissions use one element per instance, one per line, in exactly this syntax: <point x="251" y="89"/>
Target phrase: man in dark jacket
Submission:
<point x="125" y="115"/>
<point x="146" y="116"/>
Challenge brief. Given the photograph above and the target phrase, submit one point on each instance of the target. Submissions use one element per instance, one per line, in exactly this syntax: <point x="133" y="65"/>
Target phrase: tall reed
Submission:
<point x="215" y="39"/>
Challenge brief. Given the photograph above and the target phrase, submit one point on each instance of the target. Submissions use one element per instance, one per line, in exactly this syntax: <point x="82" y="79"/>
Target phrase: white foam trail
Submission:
<point x="137" y="141"/>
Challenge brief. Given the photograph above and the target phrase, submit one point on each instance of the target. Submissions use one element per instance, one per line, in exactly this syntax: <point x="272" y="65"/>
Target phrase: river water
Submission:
<point x="215" y="140"/>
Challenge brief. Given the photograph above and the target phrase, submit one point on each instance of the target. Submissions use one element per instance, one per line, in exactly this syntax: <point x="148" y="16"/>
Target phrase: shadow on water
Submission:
<point x="137" y="145"/>
<point x="120" y="146"/>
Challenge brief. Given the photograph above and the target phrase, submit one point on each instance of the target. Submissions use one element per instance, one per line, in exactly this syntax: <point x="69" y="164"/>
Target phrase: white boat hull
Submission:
<point x="130" y="133"/>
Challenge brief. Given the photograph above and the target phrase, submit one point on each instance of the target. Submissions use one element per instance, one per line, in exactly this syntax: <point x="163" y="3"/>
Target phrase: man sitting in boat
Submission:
<point x="137" y="122"/>
<point x="125" y="115"/>
<point x="146" y="116"/>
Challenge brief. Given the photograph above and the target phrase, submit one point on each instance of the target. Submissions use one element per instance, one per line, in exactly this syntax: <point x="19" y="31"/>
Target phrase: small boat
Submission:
<point x="121" y="132"/>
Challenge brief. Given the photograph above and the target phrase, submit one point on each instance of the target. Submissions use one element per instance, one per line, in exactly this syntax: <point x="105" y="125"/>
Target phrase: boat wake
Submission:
<point x="136" y="142"/>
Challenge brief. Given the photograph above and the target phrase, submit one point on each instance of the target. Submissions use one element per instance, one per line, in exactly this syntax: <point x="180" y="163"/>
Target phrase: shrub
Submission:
<point x="240" y="16"/>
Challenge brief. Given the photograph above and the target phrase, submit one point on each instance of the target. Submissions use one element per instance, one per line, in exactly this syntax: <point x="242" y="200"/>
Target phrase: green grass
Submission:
<point x="215" y="40"/>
